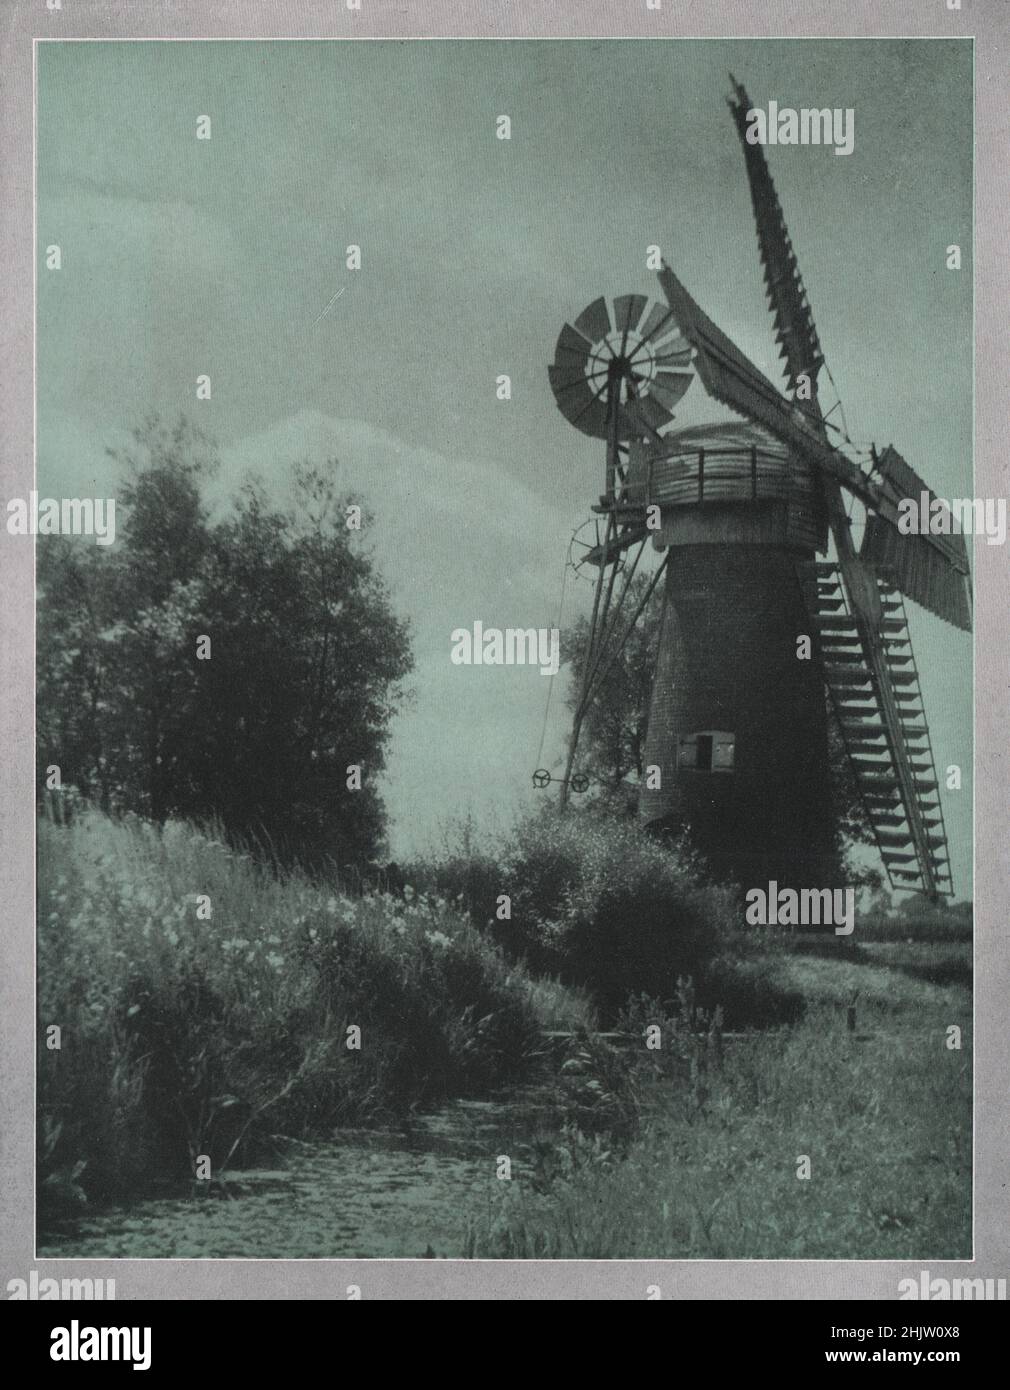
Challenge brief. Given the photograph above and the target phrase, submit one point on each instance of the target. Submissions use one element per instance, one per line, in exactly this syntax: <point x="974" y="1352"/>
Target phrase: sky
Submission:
<point x="183" y="257"/>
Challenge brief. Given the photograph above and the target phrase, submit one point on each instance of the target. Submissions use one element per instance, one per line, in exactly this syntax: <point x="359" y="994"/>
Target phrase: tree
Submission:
<point x="235" y="670"/>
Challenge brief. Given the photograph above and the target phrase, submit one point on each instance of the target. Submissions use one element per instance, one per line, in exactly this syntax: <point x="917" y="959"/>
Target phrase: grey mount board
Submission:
<point x="229" y="258"/>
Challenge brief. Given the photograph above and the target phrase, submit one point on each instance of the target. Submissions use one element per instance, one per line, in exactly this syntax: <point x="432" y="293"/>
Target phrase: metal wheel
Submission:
<point x="629" y="351"/>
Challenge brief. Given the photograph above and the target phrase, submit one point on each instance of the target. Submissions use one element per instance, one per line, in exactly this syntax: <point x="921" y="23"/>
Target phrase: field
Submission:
<point x="882" y="1114"/>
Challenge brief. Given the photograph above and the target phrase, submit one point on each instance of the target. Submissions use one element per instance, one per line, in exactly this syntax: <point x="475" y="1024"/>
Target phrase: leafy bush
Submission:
<point x="603" y="905"/>
<point x="594" y="901"/>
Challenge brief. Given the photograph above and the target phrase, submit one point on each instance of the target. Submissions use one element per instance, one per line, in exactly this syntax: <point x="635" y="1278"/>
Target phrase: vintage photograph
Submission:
<point x="505" y="514"/>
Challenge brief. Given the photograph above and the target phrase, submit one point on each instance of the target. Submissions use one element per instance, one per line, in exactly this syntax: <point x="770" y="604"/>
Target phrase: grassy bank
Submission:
<point x="884" y="1117"/>
<point x="205" y="1004"/>
<point x="208" y="1006"/>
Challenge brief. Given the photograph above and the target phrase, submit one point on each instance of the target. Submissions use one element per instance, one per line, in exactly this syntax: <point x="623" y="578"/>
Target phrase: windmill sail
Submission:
<point x="930" y="569"/>
<point x="868" y="663"/>
<point x="936" y="576"/>
<point x="794" y="324"/>
<point x="915" y="858"/>
<point x="730" y="377"/>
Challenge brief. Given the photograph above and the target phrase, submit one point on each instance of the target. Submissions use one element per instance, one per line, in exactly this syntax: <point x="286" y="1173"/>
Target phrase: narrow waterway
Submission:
<point x="364" y="1193"/>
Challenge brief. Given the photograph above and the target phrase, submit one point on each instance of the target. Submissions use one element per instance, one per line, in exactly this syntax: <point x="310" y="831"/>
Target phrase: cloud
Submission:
<point x="100" y="229"/>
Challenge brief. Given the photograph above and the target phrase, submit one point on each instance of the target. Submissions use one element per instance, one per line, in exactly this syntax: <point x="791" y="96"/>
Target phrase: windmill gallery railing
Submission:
<point x="749" y="472"/>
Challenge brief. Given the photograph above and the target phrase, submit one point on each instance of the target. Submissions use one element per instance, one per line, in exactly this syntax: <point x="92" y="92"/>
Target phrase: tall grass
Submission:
<point x="186" y="1035"/>
<point x="884" y="1118"/>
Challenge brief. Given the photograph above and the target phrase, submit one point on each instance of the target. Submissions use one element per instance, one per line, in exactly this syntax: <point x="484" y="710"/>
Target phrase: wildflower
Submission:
<point x="438" y="938"/>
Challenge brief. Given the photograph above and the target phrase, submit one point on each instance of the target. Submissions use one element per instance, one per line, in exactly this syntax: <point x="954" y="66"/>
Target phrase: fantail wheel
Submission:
<point x="628" y="357"/>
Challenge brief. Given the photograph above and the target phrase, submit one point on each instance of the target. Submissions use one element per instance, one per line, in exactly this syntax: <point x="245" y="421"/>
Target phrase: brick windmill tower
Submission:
<point x="761" y="642"/>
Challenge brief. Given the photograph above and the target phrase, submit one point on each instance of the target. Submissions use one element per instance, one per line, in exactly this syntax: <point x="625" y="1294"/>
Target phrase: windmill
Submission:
<point x="740" y="511"/>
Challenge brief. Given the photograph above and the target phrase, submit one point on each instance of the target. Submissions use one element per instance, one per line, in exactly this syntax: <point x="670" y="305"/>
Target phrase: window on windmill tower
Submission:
<point x="714" y="750"/>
